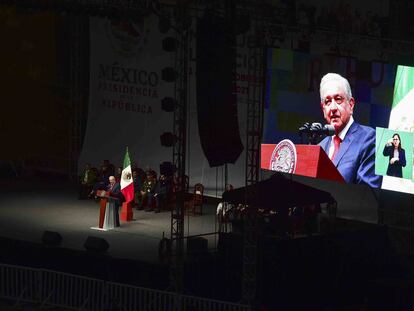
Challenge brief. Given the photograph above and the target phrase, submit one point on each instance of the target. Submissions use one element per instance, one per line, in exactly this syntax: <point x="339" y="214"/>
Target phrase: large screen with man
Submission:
<point x="361" y="114"/>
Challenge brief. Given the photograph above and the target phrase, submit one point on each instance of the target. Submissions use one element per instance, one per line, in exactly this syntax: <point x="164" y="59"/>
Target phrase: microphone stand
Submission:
<point x="314" y="131"/>
<point x="301" y="137"/>
<point x="313" y="138"/>
<point x="305" y="129"/>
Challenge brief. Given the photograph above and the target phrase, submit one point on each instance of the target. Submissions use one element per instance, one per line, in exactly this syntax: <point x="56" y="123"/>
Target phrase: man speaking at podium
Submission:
<point x="352" y="148"/>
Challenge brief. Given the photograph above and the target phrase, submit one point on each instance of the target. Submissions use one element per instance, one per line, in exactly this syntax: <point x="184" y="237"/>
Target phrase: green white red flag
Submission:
<point x="127" y="183"/>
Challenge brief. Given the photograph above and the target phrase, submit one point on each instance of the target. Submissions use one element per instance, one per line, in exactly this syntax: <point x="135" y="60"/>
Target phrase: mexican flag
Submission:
<point x="402" y="119"/>
<point x="127" y="185"/>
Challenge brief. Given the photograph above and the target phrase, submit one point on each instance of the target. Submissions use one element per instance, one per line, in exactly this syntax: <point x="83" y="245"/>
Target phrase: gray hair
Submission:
<point x="329" y="77"/>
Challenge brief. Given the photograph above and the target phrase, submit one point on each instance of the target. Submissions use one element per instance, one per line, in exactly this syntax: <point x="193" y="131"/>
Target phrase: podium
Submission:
<point x="107" y="213"/>
<point x="311" y="161"/>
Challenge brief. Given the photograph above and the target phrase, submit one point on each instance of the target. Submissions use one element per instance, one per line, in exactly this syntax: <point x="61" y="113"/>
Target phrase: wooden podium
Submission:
<point x="312" y="161"/>
<point x="126" y="209"/>
<point x="104" y="196"/>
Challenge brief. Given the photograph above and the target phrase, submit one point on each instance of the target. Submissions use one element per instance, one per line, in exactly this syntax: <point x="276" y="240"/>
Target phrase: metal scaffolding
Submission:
<point x="253" y="141"/>
<point x="179" y="150"/>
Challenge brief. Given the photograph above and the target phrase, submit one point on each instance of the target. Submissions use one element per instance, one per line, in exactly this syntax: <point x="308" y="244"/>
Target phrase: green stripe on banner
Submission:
<point x="404" y="82"/>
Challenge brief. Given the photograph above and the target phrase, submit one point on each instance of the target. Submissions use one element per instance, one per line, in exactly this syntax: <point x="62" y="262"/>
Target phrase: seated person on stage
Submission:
<point x="138" y="181"/>
<point x="147" y="192"/>
<point x="161" y="192"/>
<point x="222" y="210"/>
<point x="115" y="191"/>
<point x="87" y="180"/>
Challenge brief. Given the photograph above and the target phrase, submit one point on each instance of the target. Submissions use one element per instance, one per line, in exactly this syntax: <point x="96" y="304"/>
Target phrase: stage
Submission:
<point x="352" y="260"/>
<point x="28" y="208"/>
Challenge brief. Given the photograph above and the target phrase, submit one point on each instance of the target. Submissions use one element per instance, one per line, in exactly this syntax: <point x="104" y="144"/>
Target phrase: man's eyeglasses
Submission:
<point x="337" y="98"/>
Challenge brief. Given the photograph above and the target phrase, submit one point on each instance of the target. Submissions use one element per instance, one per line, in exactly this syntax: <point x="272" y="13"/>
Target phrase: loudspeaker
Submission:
<point x="51" y="238"/>
<point x="197" y="245"/>
<point x="96" y="244"/>
<point x="216" y="98"/>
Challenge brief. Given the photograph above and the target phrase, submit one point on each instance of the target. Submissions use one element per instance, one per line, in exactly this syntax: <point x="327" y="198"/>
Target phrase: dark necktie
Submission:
<point x="337" y="143"/>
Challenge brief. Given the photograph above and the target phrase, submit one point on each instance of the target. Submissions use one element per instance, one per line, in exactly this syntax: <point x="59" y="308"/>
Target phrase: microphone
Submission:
<point x="316" y="128"/>
<point x="305" y="128"/>
<point x="329" y="130"/>
<point x="320" y="129"/>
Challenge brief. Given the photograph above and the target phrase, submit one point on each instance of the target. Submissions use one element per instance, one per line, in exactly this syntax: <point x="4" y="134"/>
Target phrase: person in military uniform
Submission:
<point x="162" y="189"/>
<point x="138" y="180"/>
<point x="146" y="195"/>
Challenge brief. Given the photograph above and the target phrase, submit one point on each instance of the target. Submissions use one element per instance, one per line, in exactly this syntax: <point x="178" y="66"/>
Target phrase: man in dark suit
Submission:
<point x="352" y="148"/>
<point x="115" y="192"/>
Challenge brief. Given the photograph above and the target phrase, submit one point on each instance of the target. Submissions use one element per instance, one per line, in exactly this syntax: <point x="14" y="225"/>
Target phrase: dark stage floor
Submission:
<point x="28" y="208"/>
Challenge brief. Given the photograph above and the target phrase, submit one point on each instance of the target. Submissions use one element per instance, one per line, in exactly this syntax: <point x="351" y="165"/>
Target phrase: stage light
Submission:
<point x="169" y="44"/>
<point x="168" y="139"/>
<point x="51" y="238"/>
<point x="168" y="74"/>
<point x="168" y="104"/>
